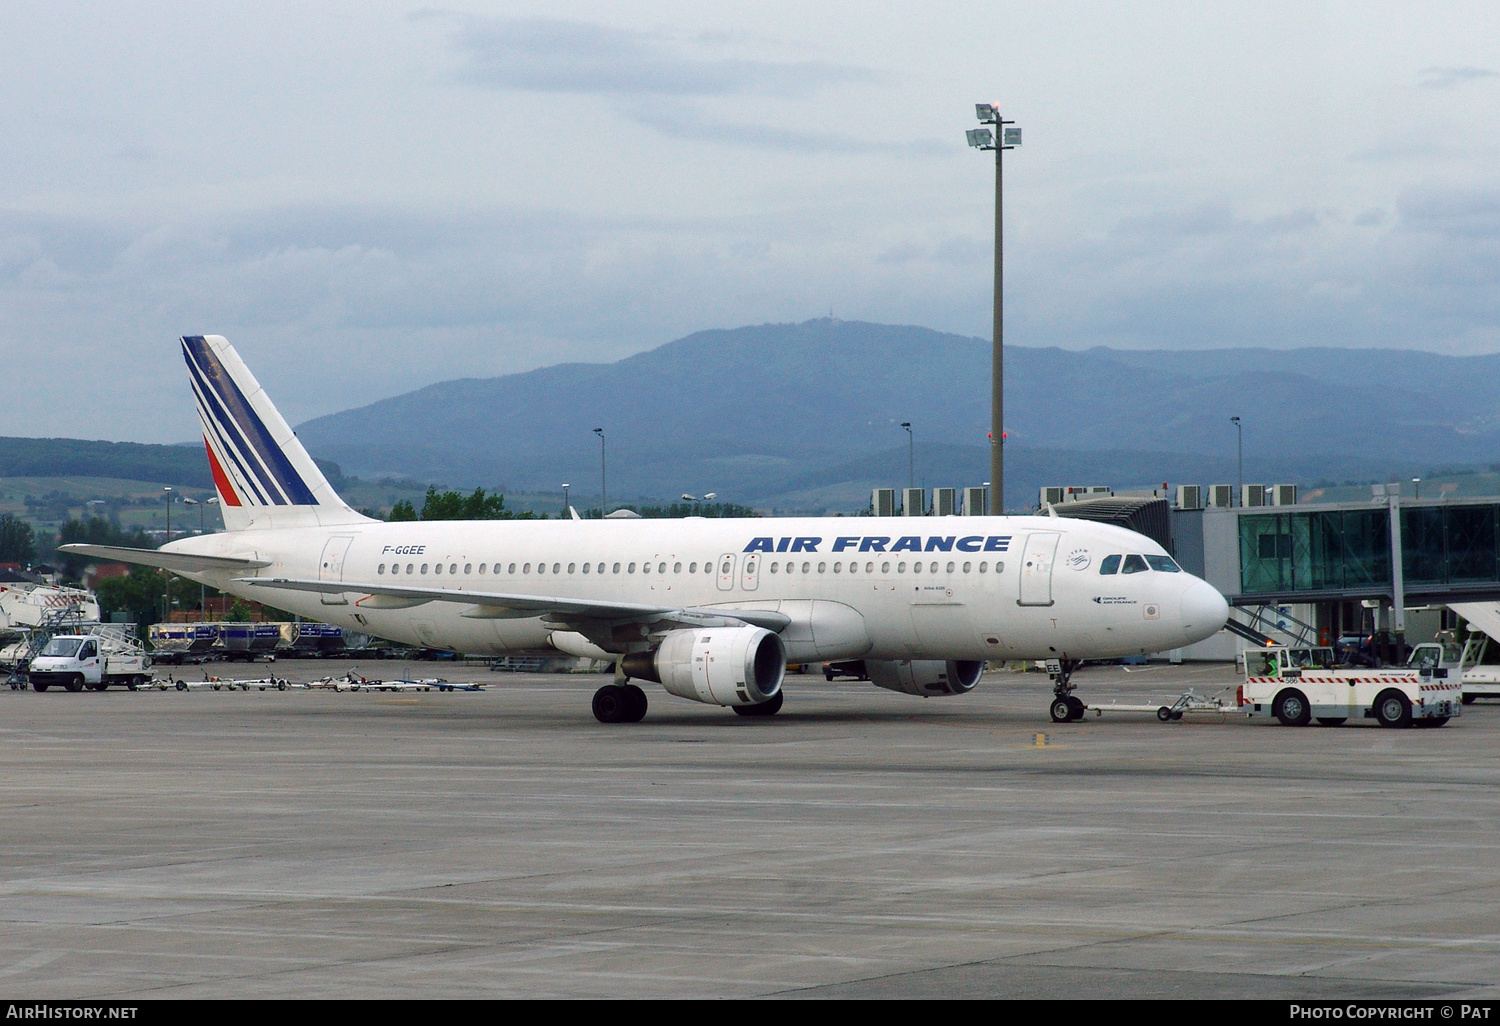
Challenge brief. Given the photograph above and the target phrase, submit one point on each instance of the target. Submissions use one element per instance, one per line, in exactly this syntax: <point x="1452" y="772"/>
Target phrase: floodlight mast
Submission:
<point x="1001" y="140"/>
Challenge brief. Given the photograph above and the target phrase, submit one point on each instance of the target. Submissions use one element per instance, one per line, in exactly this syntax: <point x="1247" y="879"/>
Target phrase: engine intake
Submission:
<point x="925" y="677"/>
<point x="714" y="665"/>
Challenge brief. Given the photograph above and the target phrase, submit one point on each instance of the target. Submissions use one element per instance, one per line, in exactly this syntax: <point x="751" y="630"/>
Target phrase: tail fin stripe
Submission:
<point x="251" y="426"/>
<point x="227" y="494"/>
<point x="216" y="421"/>
<point x="231" y="437"/>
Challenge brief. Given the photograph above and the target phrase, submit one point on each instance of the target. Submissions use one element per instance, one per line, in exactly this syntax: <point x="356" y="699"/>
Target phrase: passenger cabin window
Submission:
<point x="1134" y="564"/>
<point x="1110" y="565"/>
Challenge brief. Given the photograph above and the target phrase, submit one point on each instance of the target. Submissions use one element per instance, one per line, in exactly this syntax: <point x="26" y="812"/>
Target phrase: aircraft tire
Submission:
<point x="612" y="704"/>
<point x="770" y="707"/>
<point x="638" y="703"/>
<point x="1060" y="710"/>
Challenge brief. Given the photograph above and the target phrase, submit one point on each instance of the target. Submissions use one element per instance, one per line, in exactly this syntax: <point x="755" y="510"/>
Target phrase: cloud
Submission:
<point x="683" y="122"/>
<point x="1450" y="77"/>
<point x="556" y="56"/>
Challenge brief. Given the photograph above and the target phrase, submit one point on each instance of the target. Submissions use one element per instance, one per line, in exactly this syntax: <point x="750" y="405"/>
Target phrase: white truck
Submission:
<point x="1480" y="679"/>
<point x="1299" y="685"/>
<point x="93" y="659"/>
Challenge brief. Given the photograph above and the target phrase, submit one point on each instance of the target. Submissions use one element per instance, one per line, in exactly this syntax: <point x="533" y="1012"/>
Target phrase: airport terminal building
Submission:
<point x="1317" y="572"/>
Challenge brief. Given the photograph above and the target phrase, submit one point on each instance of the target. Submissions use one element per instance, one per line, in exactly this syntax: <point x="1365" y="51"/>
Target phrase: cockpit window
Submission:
<point x="1135" y="564"/>
<point x="1164" y="564"/>
<point x="1110" y="565"/>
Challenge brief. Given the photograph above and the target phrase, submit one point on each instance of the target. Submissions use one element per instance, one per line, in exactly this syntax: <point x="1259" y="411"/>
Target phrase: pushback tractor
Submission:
<point x="1301" y="685"/>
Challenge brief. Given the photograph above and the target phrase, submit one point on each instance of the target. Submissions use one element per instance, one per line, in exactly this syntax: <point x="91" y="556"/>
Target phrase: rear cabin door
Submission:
<point x="1036" y="568"/>
<point x="331" y="566"/>
<point x="726" y="571"/>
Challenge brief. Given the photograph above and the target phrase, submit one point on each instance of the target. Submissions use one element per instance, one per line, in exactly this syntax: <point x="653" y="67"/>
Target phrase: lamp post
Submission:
<point x="565" y="500"/>
<point x="603" y="495"/>
<point x="911" y="474"/>
<point x="1416" y="484"/>
<point x="1239" y="448"/>
<point x="984" y="139"/>
<point x="167" y="580"/>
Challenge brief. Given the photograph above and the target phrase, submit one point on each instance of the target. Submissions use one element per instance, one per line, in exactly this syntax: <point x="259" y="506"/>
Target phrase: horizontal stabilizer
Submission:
<point x="182" y="562"/>
<point x="496" y="605"/>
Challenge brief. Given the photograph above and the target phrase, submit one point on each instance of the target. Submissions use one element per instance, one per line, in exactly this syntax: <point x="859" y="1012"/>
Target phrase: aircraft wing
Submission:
<point x="501" y="605"/>
<point x="183" y="562"/>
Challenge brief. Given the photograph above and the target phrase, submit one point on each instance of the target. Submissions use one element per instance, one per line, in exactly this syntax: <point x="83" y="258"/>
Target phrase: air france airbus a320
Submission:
<point x="713" y="610"/>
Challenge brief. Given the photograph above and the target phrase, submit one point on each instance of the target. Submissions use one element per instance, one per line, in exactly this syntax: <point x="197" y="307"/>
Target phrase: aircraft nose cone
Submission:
<point x="1204" y="610"/>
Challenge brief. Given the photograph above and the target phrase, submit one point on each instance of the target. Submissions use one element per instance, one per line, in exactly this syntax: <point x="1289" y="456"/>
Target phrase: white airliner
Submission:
<point x="711" y="609"/>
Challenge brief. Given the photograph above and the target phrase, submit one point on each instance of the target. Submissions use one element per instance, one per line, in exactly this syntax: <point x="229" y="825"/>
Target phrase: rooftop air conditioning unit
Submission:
<point x="1284" y="495"/>
<point x="914" y="502"/>
<point x="944" y="502"/>
<point x="975" y="501"/>
<point x="1189" y="497"/>
<point x="1253" y="495"/>
<point x="1052" y="495"/>
<point x="883" y="502"/>
<point x="1220" y="496"/>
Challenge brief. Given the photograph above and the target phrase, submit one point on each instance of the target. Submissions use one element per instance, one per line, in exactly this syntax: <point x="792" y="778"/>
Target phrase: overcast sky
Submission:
<point x="373" y="196"/>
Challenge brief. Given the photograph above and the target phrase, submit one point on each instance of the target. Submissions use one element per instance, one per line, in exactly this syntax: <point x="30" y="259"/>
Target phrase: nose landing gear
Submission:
<point x="1065" y="706"/>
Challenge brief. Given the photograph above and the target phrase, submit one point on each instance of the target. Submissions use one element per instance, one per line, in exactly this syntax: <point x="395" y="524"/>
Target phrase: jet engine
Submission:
<point x="714" y="665"/>
<point x="925" y="677"/>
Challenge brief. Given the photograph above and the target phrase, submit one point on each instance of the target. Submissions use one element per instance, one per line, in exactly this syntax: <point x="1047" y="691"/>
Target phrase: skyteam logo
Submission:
<point x="885" y="543"/>
<point x="1078" y="559"/>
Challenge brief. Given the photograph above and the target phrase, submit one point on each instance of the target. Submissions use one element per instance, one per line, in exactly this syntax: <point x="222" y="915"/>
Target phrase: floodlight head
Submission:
<point x="710" y="496"/>
<point x="688" y="498"/>
<point x="985" y="112"/>
<point x="1011" y="136"/>
<point x="980" y="138"/>
<point x="906" y="424"/>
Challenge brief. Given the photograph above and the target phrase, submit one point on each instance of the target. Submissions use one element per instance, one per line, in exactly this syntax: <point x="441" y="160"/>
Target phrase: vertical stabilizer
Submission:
<point x="263" y="475"/>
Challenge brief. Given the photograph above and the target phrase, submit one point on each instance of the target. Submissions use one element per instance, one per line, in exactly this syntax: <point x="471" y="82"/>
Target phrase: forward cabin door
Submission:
<point x="331" y="566"/>
<point x="750" y="572"/>
<point x="726" y="571"/>
<point x="1036" y="568"/>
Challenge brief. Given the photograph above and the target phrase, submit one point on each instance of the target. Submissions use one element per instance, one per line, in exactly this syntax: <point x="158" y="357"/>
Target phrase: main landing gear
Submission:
<point x="619" y="703"/>
<point x="1065" y="707"/>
